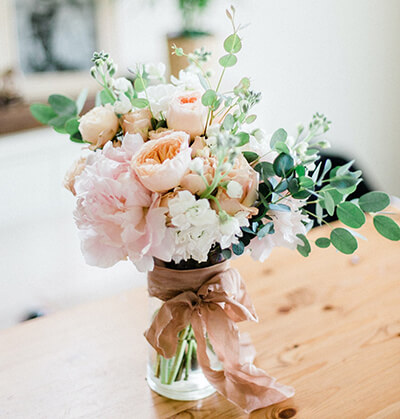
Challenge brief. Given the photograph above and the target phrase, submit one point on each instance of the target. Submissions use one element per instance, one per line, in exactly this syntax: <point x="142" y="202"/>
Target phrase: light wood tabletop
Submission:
<point x="329" y="326"/>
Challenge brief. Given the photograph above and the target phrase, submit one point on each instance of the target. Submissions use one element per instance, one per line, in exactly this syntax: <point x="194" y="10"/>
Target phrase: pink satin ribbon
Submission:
<point x="212" y="300"/>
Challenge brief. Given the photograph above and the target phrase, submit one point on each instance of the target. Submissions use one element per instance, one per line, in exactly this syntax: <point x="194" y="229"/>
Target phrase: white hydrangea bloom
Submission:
<point x="287" y="225"/>
<point x="229" y="228"/>
<point x="160" y="96"/>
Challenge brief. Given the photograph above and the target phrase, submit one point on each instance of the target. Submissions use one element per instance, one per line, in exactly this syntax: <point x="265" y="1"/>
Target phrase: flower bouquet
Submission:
<point x="175" y="179"/>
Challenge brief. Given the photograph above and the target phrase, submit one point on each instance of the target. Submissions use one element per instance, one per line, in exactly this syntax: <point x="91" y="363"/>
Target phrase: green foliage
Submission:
<point x="279" y="135"/>
<point x="228" y="60"/>
<point x="80" y="102"/>
<point x="43" y="113"/>
<point x="323" y="242"/>
<point x="305" y="248"/>
<point x="62" y="105"/>
<point x="233" y="44"/>
<point x="387" y="227"/>
<point x="374" y="201"/>
<point x="140" y="103"/>
<point x="265" y="169"/>
<point x="349" y="214"/>
<point x="343" y="240"/>
<point x="283" y="165"/>
<point x="209" y="97"/>
<point x="250" y="156"/>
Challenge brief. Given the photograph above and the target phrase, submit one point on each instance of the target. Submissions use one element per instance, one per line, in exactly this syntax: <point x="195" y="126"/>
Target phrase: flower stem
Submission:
<point x="180" y="351"/>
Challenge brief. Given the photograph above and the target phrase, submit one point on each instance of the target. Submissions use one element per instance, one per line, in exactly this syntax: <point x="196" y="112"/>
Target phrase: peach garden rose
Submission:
<point x="187" y="113"/>
<point x="161" y="164"/>
<point x="99" y="125"/>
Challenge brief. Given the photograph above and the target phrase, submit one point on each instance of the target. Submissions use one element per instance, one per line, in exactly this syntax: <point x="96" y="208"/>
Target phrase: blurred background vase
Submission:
<point x="192" y="35"/>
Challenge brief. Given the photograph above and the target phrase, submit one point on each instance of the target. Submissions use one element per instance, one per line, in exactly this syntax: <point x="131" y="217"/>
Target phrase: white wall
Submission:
<point x="340" y="57"/>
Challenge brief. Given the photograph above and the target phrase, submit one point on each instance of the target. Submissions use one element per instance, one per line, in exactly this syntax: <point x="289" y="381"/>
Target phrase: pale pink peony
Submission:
<point x="137" y="122"/>
<point x="117" y="217"/>
<point x="162" y="163"/>
<point x="187" y="113"/>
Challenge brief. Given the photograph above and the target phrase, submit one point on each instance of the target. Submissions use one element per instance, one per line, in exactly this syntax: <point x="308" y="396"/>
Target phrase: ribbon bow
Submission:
<point x="215" y="307"/>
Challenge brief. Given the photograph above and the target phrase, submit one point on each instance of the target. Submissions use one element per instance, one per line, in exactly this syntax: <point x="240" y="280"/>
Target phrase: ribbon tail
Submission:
<point x="240" y="382"/>
<point x="173" y="316"/>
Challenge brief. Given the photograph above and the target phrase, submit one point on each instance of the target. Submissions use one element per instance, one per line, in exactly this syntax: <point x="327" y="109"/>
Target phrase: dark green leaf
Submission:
<point x="43" y="113"/>
<point x="238" y="249"/>
<point x="343" y="182"/>
<point x="265" y="169"/>
<point x="63" y="105"/>
<point x="228" y="60"/>
<point x="349" y="214"/>
<point x="306" y="182"/>
<point x="305" y="248"/>
<point x="343" y="240"/>
<point x="250" y="156"/>
<point x="301" y="170"/>
<point x="323" y="242"/>
<point x="374" y="201"/>
<point x="233" y="44"/>
<point x="387" y="227"/>
<point x="283" y="165"/>
<point x="293" y="186"/>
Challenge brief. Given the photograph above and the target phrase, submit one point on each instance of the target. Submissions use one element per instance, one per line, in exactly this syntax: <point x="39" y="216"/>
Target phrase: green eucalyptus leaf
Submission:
<point x="305" y="248"/>
<point x="140" y="84"/>
<point x="283" y="165"/>
<point x="281" y="147"/>
<point x="301" y="195"/>
<point x="43" y="113"/>
<point x="238" y="248"/>
<point x="250" y="156"/>
<point x="306" y="182"/>
<point x="59" y="122"/>
<point x="279" y="207"/>
<point x="266" y="229"/>
<point x="293" y="186"/>
<point x="228" y="60"/>
<point x="279" y="135"/>
<point x="229" y="122"/>
<point x="226" y="253"/>
<point x="140" y="103"/>
<point x="233" y="44"/>
<point x="244" y="138"/>
<point x="349" y="214"/>
<point x="106" y="97"/>
<point x="387" y="227"/>
<point x="209" y="97"/>
<point x="323" y="242"/>
<point x="80" y="102"/>
<point x="63" y="105"/>
<point x="250" y="119"/>
<point x="301" y="170"/>
<point x="76" y="138"/>
<point x="265" y="169"/>
<point x="374" y="201"/>
<point x="343" y="182"/>
<point x="343" y="241"/>
<point x="72" y="126"/>
<point x="329" y="203"/>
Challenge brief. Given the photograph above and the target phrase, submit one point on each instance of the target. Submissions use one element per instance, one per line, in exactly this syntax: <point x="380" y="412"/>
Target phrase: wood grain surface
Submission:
<point x="329" y="325"/>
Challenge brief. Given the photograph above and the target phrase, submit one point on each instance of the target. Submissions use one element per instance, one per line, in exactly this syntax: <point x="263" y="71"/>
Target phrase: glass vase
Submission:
<point x="180" y="377"/>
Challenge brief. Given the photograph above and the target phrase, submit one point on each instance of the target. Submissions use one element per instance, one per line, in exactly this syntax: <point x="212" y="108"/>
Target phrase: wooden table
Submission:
<point x="329" y="326"/>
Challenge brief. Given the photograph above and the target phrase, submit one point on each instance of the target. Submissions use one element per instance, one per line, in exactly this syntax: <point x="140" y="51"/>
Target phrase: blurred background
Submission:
<point x="338" y="57"/>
